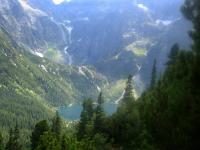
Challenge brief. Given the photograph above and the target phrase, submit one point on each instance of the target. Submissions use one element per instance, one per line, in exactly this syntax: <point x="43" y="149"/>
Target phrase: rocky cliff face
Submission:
<point x="30" y="26"/>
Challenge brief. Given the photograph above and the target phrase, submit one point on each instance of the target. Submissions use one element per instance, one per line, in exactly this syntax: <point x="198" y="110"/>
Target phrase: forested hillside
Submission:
<point x="31" y="88"/>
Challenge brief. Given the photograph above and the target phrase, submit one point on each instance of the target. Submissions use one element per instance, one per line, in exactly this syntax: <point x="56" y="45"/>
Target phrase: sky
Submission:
<point x="59" y="1"/>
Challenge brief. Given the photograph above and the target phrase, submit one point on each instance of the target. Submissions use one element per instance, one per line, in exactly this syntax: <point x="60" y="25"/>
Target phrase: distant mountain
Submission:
<point x="120" y="35"/>
<point x="164" y="8"/>
<point x="31" y="27"/>
<point x="115" y="38"/>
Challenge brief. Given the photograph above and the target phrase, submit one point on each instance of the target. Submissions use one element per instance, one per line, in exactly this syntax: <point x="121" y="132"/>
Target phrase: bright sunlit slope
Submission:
<point x="32" y="87"/>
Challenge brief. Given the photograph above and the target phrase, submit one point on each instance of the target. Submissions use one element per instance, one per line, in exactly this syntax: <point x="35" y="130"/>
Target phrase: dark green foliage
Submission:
<point x="68" y="143"/>
<point x="65" y="143"/>
<point x="85" y="124"/>
<point x="99" y="115"/>
<point x="10" y="140"/>
<point x="173" y="54"/>
<point x="125" y="126"/>
<point x="14" y="142"/>
<point x="128" y="96"/>
<point x="57" y="125"/>
<point x="171" y="110"/>
<point x="168" y="109"/>
<point x="101" y="143"/>
<point x="48" y="141"/>
<point x="153" y="75"/>
<point x="191" y="10"/>
<point x="1" y="142"/>
<point x="39" y="129"/>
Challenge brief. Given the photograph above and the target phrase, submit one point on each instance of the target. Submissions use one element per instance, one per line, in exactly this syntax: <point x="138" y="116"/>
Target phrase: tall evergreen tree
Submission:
<point x="14" y="140"/>
<point x="39" y="130"/>
<point x="64" y="143"/>
<point x="85" y="118"/>
<point x="48" y="141"/>
<point x="17" y="141"/>
<point x="100" y="115"/>
<point x="9" y="145"/>
<point x="153" y="74"/>
<point x="82" y="124"/>
<point x="1" y="142"/>
<point x="128" y="96"/>
<point x="173" y="54"/>
<point x="57" y="125"/>
<point x="191" y="10"/>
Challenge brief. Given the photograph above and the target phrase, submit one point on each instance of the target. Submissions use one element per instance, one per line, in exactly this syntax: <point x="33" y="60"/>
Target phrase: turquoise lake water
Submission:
<point x="73" y="112"/>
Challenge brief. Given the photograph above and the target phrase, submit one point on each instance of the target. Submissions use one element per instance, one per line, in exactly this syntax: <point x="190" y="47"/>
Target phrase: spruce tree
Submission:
<point x="48" y="141"/>
<point x="85" y="118"/>
<point x="9" y="145"/>
<point x="153" y="74"/>
<point x="14" y="140"/>
<point x="128" y="96"/>
<point x="191" y="10"/>
<point x="64" y="143"/>
<point x="57" y="125"/>
<point x="82" y="124"/>
<point x="1" y="142"/>
<point x="100" y="115"/>
<point x="17" y="142"/>
<point x="39" y="130"/>
<point x="173" y="54"/>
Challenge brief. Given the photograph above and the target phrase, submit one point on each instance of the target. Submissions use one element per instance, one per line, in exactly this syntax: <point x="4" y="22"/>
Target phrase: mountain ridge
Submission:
<point x="33" y="88"/>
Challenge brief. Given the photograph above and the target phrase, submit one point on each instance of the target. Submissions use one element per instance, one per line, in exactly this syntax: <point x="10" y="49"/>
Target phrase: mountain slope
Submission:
<point x="18" y="102"/>
<point x="115" y="38"/>
<point x="32" y="87"/>
<point x="31" y="27"/>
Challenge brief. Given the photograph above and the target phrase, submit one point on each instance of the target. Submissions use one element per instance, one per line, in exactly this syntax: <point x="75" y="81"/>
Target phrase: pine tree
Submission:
<point x="85" y="118"/>
<point x="39" y="129"/>
<point x="17" y="141"/>
<point x="48" y="141"/>
<point x="173" y="54"/>
<point x="1" y="142"/>
<point x="191" y="10"/>
<point x="9" y="145"/>
<point x="82" y="124"/>
<point x="64" y="143"/>
<point x="57" y="125"/>
<point x="128" y="97"/>
<point x="100" y="115"/>
<point x="14" y="140"/>
<point x="153" y="75"/>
